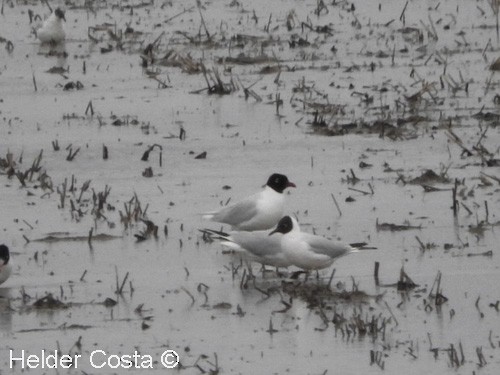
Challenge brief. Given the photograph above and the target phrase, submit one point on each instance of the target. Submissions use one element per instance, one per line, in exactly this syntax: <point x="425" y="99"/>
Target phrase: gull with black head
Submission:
<point x="308" y="251"/>
<point x="260" y="211"/>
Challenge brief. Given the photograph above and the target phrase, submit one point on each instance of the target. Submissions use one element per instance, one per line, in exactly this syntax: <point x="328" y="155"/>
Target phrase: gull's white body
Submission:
<point x="52" y="30"/>
<point x="5" y="263"/>
<point x="260" y="211"/>
<point x="257" y="246"/>
<point x="311" y="252"/>
<point x="5" y="271"/>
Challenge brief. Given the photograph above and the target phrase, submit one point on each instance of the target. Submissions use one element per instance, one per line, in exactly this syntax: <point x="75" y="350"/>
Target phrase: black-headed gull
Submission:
<point x="257" y="246"/>
<point x="260" y="211"/>
<point x="52" y="29"/>
<point x="308" y="251"/>
<point x="5" y="266"/>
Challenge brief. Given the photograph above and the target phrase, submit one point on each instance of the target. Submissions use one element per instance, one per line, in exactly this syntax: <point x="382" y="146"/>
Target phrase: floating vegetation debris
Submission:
<point x="319" y="294"/>
<point x="133" y="212"/>
<point x="73" y="86"/>
<point x="67" y="237"/>
<point x="50" y="303"/>
<point x="395" y="227"/>
<point x="215" y="85"/>
<point x="151" y="230"/>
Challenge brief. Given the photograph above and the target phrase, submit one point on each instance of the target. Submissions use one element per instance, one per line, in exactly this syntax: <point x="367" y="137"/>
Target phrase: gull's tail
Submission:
<point x="359" y="246"/>
<point x="216" y="234"/>
<point x="224" y="238"/>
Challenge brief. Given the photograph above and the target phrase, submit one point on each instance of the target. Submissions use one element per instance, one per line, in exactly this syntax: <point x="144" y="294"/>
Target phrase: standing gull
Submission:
<point x="5" y="266"/>
<point x="52" y="30"/>
<point x="308" y="251"/>
<point x="260" y="211"/>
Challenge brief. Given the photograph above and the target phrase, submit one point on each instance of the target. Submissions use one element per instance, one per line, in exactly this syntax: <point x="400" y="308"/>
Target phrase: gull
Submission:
<point x="260" y="211"/>
<point x="52" y="30"/>
<point x="257" y="246"/>
<point x="5" y="266"/>
<point x="308" y="251"/>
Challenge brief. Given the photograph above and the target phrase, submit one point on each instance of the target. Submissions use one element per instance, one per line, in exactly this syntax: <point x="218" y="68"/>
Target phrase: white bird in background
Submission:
<point x="308" y="251"/>
<point x="257" y="246"/>
<point x="52" y="29"/>
<point x="5" y="266"/>
<point x="260" y="211"/>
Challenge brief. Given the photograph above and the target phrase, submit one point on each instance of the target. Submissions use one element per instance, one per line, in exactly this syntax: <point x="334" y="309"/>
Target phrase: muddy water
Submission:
<point x="245" y="141"/>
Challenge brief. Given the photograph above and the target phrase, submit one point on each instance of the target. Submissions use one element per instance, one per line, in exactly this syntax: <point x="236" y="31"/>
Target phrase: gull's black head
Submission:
<point x="4" y="254"/>
<point x="60" y="14"/>
<point x="279" y="182"/>
<point x="284" y="226"/>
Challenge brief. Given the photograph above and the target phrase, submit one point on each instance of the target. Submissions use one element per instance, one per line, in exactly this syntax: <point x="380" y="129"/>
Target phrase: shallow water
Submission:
<point x="245" y="141"/>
